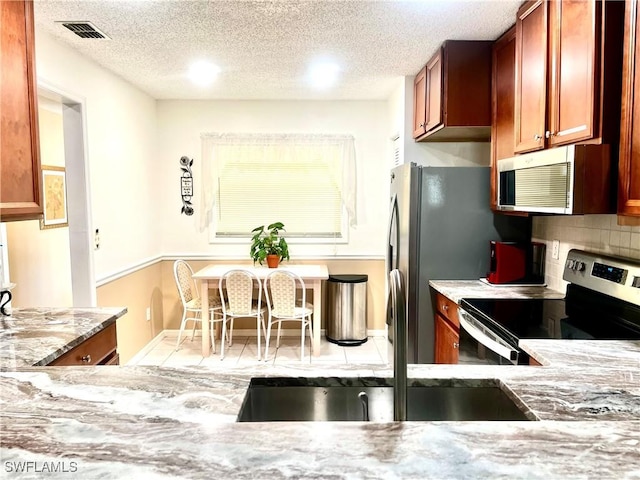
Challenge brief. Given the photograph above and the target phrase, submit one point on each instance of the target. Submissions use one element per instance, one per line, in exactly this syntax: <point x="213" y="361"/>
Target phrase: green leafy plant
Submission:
<point x="267" y="241"/>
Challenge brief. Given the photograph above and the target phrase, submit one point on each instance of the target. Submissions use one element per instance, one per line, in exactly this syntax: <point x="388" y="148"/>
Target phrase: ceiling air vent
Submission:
<point x="84" y="29"/>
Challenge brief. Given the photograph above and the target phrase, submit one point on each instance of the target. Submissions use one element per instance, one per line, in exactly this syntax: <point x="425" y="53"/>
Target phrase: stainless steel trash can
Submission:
<point x="346" y="306"/>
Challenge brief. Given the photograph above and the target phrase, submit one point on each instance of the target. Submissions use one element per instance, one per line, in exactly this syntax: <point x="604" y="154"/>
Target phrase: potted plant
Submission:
<point x="267" y="244"/>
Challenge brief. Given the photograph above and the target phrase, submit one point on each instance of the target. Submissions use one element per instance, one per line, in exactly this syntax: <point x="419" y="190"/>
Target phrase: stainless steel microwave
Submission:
<point x="574" y="179"/>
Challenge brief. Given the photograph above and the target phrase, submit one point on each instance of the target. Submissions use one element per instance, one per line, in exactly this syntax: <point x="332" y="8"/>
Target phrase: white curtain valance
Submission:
<point x="218" y="148"/>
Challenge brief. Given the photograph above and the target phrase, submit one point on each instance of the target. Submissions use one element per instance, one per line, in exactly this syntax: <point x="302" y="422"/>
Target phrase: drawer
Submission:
<point x="447" y="308"/>
<point x="96" y="350"/>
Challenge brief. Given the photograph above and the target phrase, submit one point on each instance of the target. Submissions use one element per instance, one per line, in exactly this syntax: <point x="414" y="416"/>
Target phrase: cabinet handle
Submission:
<point x="86" y="359"/>
<point x="456" y="344"/>
<point x="537" y="137"/>
<point x="421" y="125"/>
<point x="445" y="307"/>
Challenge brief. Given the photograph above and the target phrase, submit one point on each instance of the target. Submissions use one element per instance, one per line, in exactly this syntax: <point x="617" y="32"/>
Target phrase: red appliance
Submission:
<point x="508" y="262"/>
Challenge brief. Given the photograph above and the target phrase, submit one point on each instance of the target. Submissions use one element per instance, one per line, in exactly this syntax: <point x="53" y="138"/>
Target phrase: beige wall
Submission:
<point x="39" y="260"/>
<point x="594" y="233"/>
<point x="376" y="289"/>
<point x="137" y="291"/>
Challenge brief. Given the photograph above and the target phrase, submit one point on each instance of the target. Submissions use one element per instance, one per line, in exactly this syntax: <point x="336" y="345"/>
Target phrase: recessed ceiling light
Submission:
<point x="203" y="73"/>
<point x="323" y="75"/>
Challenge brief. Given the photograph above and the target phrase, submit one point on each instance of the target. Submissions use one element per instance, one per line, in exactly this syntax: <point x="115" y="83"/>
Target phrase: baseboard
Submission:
<point x="147" y="348"/>
<point x="241" y="332"/>
<point x="251" y="332"/>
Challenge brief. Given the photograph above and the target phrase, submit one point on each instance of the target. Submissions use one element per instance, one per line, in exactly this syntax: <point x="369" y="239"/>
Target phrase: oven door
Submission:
<point x="479" y="345"/>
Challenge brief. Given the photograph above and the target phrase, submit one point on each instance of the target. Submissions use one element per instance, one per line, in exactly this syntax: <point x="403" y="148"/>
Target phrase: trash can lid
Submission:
<point x="348" y="278"/>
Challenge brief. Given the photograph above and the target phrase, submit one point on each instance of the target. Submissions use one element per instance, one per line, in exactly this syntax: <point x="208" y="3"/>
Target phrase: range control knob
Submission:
<point x="570" y="264"/>
<point x="580" y="266"/>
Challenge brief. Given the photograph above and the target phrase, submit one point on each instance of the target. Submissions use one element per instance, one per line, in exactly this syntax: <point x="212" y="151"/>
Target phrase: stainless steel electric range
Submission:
<point x="602" y="302"/>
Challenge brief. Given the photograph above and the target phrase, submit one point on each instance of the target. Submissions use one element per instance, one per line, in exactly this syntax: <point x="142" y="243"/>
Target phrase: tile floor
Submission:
<point x="244" y="352"/>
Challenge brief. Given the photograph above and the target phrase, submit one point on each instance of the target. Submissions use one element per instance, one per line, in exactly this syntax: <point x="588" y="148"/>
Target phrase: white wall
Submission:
<point x="180" y="124"/>
<point x="39" y="259"/>
<point x="122" y="154"/>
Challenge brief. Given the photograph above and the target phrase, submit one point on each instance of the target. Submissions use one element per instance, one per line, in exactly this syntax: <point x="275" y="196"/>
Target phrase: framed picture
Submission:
<point x="54" y="189"/>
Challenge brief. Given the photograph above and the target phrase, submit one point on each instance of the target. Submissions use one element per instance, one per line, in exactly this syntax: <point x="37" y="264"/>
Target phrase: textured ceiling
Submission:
<point x="264" y="47"/>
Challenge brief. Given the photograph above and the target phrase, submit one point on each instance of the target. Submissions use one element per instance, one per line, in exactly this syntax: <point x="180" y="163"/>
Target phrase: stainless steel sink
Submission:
<point x="340" y="399"/>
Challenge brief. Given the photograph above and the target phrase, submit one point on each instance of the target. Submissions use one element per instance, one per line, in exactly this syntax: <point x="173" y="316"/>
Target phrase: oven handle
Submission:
<point x="502" y="349"/>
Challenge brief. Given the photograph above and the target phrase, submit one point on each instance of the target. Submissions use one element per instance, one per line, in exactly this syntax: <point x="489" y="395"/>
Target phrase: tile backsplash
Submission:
<point x="594" y="233"/>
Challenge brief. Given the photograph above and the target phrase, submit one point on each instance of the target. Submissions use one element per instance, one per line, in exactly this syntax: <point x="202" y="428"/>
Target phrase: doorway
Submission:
<point x="54" y="267"/>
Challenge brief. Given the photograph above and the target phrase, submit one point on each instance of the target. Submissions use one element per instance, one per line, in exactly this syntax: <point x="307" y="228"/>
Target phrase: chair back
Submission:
<point x="236" y="288"/>
<point x="280" y="288"/>
<point x="184" y="280"/>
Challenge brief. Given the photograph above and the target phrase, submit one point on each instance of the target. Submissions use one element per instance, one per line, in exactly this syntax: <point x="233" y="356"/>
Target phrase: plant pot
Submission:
<point x="273" y="261"/>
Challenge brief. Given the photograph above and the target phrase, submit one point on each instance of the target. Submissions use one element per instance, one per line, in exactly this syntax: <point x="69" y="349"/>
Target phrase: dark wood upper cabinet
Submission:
<point x="433" y="100"/>
<point x="568" y="73"/>
<point x="629" y="164"/>
<point x="502" y="104"/>
<point x="452" y="97"/>
<point x="572" y="94"/>
<point x="531" y="76"/>
<point x="20" y="190"/>
<point x="419" y="108"/>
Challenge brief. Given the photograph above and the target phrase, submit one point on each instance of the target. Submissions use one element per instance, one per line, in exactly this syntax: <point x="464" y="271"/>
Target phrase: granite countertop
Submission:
<point x="37" y="336"/>
<point x="459" y="289"/>
<point x="154" y="422"/>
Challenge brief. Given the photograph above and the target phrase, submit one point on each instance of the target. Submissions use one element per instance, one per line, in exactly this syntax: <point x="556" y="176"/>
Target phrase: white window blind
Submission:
<point x="306" y="182"/>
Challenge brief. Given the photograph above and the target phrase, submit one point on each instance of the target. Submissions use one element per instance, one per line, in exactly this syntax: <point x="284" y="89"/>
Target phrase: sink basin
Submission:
<point x="337" y="399"/>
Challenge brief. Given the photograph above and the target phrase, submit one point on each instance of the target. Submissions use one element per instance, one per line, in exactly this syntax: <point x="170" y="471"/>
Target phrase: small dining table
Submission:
<point x="312" y="275"/>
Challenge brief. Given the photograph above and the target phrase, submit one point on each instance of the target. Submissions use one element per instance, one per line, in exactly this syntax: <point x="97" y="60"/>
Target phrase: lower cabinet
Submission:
<point x="447" y="339"/>
<point x="447" y="330"/>
<point x="99" y="349"/>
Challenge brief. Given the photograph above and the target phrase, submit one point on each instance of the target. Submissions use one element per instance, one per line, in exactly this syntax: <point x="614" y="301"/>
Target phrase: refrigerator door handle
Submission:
<point x="399" y="346"/>
<point x="392" y="255"/>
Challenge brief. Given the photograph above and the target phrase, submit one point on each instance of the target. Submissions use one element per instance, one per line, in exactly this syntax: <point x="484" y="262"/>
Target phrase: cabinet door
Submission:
<point x="531" y="76"/>
<point x="629" y="168"/>
<point x="19" y="151"/>
<point x="419" y="106"/>
<point x="446" y="341"/>
<point x="434" y="92"/>
<point x="574" y="30"/>
<point x="502" y="104"/>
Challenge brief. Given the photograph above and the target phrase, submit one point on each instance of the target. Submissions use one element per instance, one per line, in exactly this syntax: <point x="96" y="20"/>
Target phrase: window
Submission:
<point x="306" y="182"/>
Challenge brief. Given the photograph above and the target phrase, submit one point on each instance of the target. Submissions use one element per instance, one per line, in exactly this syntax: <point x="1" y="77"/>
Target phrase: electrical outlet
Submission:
<point x="555" y="250"/>
<point x="148" y="313"/>
<point x="96" y="239"/>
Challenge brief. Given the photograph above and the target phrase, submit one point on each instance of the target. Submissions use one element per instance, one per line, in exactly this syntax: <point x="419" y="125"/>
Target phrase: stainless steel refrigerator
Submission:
<point x="440" y="227"/>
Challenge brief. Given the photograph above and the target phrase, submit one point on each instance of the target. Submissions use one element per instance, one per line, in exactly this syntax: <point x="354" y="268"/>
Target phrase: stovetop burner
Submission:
<point x="599" y="304"/>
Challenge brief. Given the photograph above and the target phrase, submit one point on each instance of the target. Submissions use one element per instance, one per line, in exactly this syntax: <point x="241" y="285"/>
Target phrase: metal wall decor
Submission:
<point x="186" y="185"/>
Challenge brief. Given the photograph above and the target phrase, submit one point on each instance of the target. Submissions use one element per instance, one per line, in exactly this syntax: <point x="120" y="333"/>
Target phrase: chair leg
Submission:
<point x="264" y="329"/>
<point x="193" y="332"/>
<point x="259" y="334"/>
<point x="266" y="347"/>
<point x="302" y="331"/>
<point x="230" y="332"/>
<point x="310" y="335"/>
<point x="182" y="325"/>
<point x="224" y="332"/>
<point x="212" y="331"/>
<point x="278" y="342"/>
